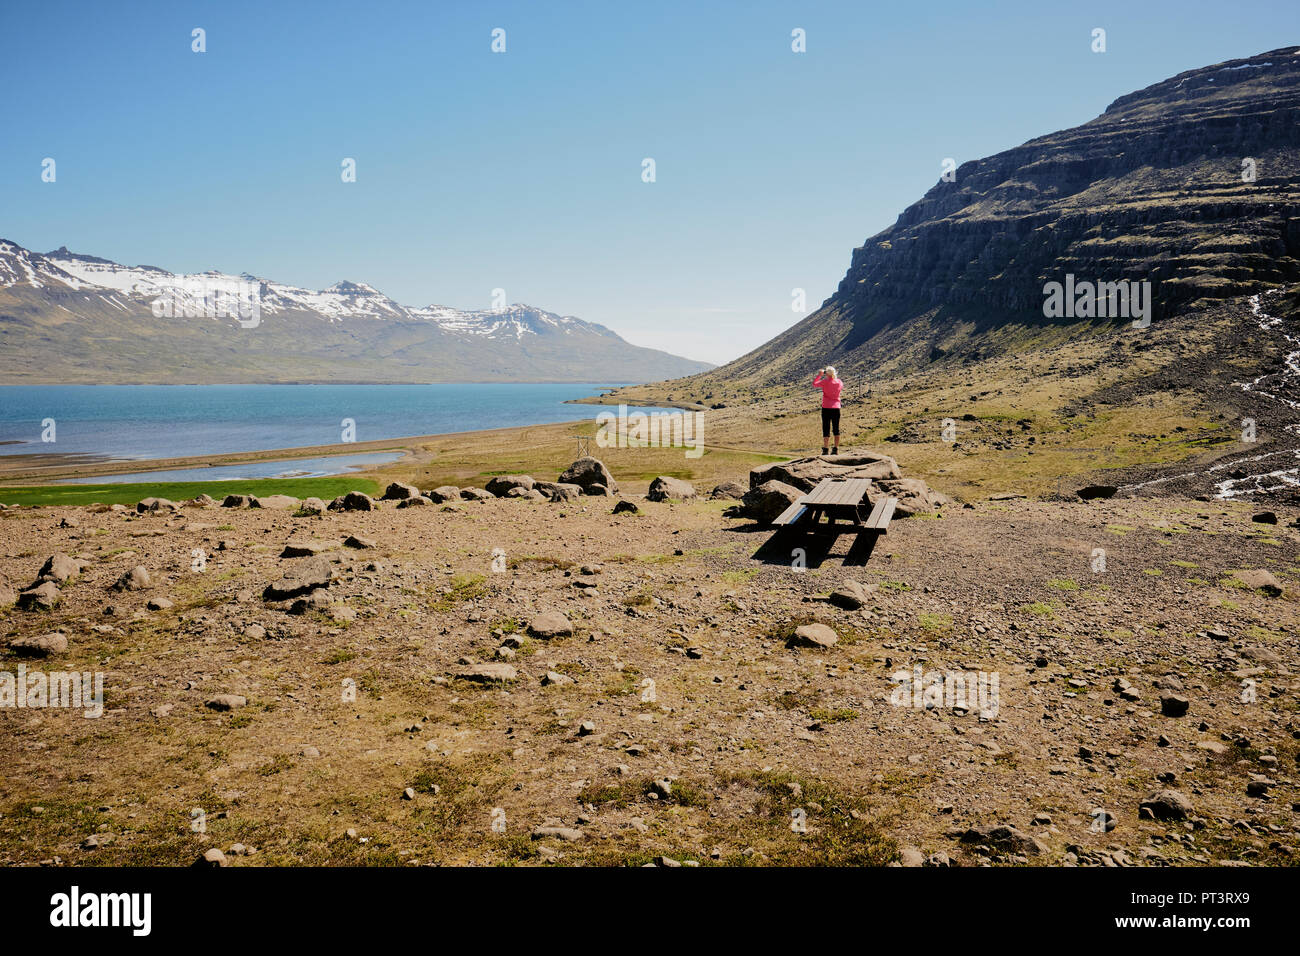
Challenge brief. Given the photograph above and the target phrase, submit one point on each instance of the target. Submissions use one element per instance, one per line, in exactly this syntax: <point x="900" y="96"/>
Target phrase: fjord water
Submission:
<point x="170" y="421"/>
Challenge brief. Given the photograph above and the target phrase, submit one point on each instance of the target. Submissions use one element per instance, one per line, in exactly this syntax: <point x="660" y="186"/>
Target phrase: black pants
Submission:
<point x="830" y="422"/>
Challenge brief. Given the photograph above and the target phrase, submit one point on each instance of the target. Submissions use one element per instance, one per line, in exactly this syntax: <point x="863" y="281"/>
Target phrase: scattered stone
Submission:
<point x="43" y="597"/>
<point x="501" y="485"/>
<point x="1171" y="705"/>
<point x="851" y="595"/>
<point x="137" y="579"/>
<point x="158" y="604"/>
<point x="58" y="568"/>
<point x="40" y="645"/>
<point x="488" y="673"/>
<point x="550" y="624"/>
<point x="1005" y="838"/>
<point x="309" y="547"/>
<point x="560" y="833"/>
<point x="1091" y="492"/>
<point x="212" y="857"/>
<point x="443" y="493"/>
<point x="766" y="501"/>
<point x="1264" y="517"/>
<point x="1260" y="580"/>
<point x="418" y="501"/>
<point x="307" y="576"/>
<point x="312" y="506"/>
<point x="236" y="501"/>
<point x="1165" y="805"/>
<point x="728" y="489"/>
<point x="355" y="541"/>
<point x="400" y="492"/>
<point x="353" y="501"/>
<point x="476" y="494"/>
<point x="626" y="507"/>
<point x="814" y="635"/>
<point x="226" y="702"/>
<point x="665" y="488"/>
<point x="150" y="505"/>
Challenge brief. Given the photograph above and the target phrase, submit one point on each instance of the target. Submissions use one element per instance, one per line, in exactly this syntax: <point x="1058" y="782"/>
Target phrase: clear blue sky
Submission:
<point x="522" y="170"/>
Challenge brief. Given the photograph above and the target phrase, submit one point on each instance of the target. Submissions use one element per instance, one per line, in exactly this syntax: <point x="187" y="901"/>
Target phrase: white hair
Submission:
<point x="831" y="370"/>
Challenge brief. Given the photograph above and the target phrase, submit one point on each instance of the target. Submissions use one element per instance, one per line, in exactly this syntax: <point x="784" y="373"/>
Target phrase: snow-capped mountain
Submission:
<point x="349" y="332"/>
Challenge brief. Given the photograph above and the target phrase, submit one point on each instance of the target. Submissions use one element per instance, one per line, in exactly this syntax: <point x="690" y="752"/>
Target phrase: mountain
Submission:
<point x="1158" y="188"/>
<point x="72" y="318"/>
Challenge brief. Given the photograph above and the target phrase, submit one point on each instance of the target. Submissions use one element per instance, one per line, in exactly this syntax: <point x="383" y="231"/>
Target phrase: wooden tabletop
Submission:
<point x="838" y="491"/>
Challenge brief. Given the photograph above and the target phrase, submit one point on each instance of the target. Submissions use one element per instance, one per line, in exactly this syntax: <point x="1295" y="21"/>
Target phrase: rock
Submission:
<point x="562" y="492"/>
<point x="503" y="484"/>
<point x="255" y="632"/>
<point x="814" y="635"/>
<point x="318" y="600"/>
<point x="476" y="494"/>
<point x="43" y="597"/>
<point x="586" y="728"/>
<point x="766" y="501"/>
<point x="626" y="507"/>
<point x="236" y="501"/>
<point x="408" y="793"/>
<point x="488" y="673"/>
<point x="851" y="595"/>
<point x="358" y="542"/>
<point x="400" y="492"/>
<point x="212" y="857"/>
<point x="311" y="506"/>
<point x="353" y="501"/>
<point x="224" y="702"/>
<point x="40" y="645"/>
<point x="307" y="576"/>
<point x="203" y="501"/>
<point x="1260" y="580"/>
<point x="597" y="490"/>
<point x="550" y="624"/>
<point x="158" y="604"/>
<point x="588" y="471"/>
<point x="1091" y="492"/>
<point x="1264" y="517"/>
<point x="137" y="579"/>
<point x="728" y="489"/>
<point x="1005" y="838"/>
<point x="911" y="856"/>
<point x="58" y="567"/>
<point x="418" y="501"/>
<point x="156" y="504"/>
<point x="1166" y="805"/>
<point x="555" y="679"/>
<point x="443" y="493"/>
<point x="1171" y="705"/>
<point x="914" y="496"/>
<point x="275" y="502"/>
<point x="8" y="595"/>
<point x="306" y="548"/>
<point x="805" y="473"/>
<point x="665" y="488"/>
<point x="559" y="833"/>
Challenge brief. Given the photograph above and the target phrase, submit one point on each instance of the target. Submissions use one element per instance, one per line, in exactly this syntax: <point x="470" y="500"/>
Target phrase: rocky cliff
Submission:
<point x="1192" y="184"/>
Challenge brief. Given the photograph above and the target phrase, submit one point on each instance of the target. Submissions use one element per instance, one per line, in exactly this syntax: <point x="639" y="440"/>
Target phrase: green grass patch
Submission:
<point x="130" y="493"/>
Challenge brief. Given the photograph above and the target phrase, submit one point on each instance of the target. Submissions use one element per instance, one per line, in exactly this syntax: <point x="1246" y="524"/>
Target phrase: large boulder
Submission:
<point x="300" y="579"/>
<point x="58" y="567"/>
<point x="502" y="485"/>
<point x="805" y="473"/>
<point x="40" y="645"/>
<point x="558" y="491"/>
<point x="156" y="504"/>
<point x="664" y="487"/>
<point x="443" y="493"/>
<point x="728" y="489"/>
<point x="476" y="494"/>
<point x="588" y="471"/>
<point x="353" y="501"/>
<point x="43" y="597"/>
<point x="764" y="502"/>
<point x="236" y="501"/>
<point x="398" y="491"/>
<point x="914" y="496"/>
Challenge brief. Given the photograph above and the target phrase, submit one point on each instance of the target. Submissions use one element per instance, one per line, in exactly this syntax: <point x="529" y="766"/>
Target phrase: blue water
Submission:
<point x="128" y="422"/>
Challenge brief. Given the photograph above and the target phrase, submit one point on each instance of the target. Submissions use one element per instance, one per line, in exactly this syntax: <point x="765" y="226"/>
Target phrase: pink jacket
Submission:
<point x="831" y="388"/>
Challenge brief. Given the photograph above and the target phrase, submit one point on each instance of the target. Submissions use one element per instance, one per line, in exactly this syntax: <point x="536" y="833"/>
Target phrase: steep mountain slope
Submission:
<point x="66" y="317"/>
<point x="1158" y="188"/>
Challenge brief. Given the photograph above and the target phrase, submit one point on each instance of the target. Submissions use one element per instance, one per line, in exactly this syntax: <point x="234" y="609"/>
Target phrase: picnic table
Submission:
<point x="838" y="498"/>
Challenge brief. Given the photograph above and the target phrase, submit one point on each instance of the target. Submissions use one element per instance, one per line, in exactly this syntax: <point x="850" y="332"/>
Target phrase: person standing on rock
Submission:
<point x="829" y="382"/>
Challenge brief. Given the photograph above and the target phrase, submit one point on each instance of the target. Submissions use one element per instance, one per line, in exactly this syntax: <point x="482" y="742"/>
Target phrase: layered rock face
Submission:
<point x="1192" y="184"/>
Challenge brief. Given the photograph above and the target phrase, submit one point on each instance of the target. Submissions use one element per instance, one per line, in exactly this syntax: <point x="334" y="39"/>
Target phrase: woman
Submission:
<point x="829" y="382"/>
